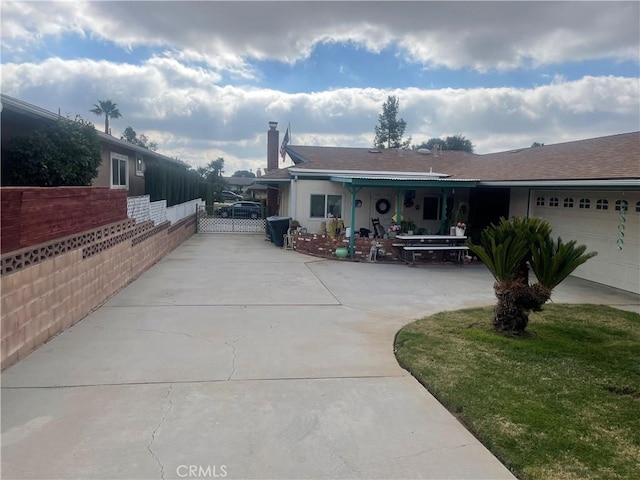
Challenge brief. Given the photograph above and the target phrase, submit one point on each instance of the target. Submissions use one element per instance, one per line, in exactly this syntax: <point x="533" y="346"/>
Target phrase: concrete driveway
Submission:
<point x="234" y="359"/>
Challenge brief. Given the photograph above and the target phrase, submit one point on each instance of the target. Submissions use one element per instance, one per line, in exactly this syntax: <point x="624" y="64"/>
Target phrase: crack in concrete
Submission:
<point x="418" y="453"/>
<point x="233" y="358"/>
<point x="153" y="434"/>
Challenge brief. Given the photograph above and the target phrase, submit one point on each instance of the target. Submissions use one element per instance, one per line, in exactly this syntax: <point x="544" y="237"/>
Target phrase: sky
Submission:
<point x="203" y="79"/>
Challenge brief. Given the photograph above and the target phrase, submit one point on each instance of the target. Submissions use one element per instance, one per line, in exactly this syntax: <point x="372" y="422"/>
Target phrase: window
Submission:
<point x="540" y="202"/>
<point x="325" y="205"/>
<point x="602" y="204"/>
<point x="568" y="203"/>
<point x="119" y="173"/>
<point x="584" y="203"/>
<point x="431" y="210"/>
<point x="553" y="202"/>
<point x="620" y="204"/>
<point x="638" y="207"/>
<point x="139" y="165"/>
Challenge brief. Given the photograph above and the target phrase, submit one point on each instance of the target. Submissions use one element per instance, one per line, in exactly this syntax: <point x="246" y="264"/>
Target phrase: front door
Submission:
<point x="383" y="206"/>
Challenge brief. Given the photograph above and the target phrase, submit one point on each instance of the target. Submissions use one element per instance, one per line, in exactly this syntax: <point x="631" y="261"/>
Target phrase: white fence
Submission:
<point x="142" y="210"/>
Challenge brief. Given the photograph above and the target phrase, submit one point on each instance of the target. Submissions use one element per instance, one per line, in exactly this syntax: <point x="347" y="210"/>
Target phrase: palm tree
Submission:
<point x="507" y="250"/>
<point x="109" y="109"/>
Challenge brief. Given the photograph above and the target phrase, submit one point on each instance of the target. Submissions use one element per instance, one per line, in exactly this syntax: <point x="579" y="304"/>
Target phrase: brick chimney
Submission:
<point x="273" y="138"/>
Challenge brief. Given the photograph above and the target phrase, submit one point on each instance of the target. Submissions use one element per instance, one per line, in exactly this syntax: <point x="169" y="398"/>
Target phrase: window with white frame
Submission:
<point x="139" y="165"/>
<point x="323" y="206"/>
<point x="553" y="202"/>
<point x="602" y="204"/>
<point x="568" y="202"/>
<point x="119" y="171"/>
<point x="584" y="203"/>
<point x="638" y="207"/>
<point x="540" y="202"/>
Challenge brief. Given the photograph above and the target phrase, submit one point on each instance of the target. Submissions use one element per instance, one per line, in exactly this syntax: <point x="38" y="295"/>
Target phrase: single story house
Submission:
<point x="123" y="163"/>
<point x="589" y="190"/>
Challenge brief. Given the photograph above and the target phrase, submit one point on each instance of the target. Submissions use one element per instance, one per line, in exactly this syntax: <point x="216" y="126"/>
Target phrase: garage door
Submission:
<point x="594" y="218"/>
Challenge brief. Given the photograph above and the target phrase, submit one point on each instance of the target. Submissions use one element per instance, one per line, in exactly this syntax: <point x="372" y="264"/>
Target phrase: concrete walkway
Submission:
<point x="232" y="358"/>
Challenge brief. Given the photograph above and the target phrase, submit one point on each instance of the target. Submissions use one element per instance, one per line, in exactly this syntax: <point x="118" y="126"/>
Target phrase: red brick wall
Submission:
<point x="33" y="215"/>
<point x="325" y="246"/>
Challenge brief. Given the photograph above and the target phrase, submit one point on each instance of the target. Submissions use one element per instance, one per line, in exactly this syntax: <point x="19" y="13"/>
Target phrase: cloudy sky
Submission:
<point x="203" y="79"/>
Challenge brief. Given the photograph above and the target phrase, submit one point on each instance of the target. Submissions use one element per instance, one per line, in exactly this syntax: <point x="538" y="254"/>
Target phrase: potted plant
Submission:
<point x="393" y="229"/>
<point x="457" y="223"/>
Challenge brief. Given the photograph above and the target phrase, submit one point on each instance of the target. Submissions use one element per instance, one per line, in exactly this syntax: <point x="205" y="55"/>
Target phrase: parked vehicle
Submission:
<point x="232" y="196"/>
<point x="241" y="210"/>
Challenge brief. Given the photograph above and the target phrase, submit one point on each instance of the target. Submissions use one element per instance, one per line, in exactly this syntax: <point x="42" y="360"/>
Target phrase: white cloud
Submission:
<point x="480" y="35"/>
<point x="182" y="109"/>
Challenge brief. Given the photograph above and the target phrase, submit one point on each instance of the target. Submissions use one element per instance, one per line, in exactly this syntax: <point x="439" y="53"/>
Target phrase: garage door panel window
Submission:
<point x="622" y="204"/>
<point x="554" y="202"/>
<point x="568" y="203"/>
<point x="584" y="203"/>
<point x="602" y="204"/>
<point x="540" y="202"/>
<point x="323" y="206"/>
<point x="638" y="207"/>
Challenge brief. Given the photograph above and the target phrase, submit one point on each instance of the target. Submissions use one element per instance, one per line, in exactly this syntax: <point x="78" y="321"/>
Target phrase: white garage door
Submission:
<point x="593" y="218"/>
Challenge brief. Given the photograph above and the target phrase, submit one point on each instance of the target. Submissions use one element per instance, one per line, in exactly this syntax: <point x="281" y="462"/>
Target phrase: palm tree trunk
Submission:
<point x="516" y="300"/>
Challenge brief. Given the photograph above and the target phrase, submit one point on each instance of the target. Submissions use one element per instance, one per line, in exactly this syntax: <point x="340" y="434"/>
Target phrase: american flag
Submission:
<point x="285" y="142"/>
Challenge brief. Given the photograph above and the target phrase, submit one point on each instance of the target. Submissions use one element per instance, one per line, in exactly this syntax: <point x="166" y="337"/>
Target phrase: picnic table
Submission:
<point x="412" y="246"/>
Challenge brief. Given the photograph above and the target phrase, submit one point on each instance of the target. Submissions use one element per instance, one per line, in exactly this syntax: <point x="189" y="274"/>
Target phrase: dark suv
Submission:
<point x="241" y="210"/>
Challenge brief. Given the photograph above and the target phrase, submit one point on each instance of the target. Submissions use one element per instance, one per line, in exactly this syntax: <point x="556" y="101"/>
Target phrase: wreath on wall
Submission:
<point x="383" y="206"/>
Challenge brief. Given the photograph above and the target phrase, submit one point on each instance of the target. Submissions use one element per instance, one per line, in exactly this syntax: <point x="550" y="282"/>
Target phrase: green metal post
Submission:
<point x="443" y="213"/>
<point x="352" y="241"/>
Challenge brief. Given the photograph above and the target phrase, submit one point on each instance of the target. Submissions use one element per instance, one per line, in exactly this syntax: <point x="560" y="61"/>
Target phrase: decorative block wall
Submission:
<point x="34" y="215"/>
<point x="66" y="279"/>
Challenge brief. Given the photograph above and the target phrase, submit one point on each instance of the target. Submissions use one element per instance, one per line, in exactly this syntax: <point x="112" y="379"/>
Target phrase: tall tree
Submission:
<point x="243" y="173"/>
<point x="431" y="144"/>
<point x="459" y="142"/>
<point x="390" y="130"/>
<point x="129" y="135"/>
<point x="454" y="142"/>
<point x="108" y="109"/>
<point x="537" y="144"/>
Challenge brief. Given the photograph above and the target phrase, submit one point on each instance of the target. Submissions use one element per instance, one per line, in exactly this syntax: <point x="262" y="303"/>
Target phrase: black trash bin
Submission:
<point x="278" y="227"/>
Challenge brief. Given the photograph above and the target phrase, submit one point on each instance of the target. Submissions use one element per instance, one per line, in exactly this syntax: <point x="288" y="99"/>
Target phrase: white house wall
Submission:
<point x="598" y="230"/>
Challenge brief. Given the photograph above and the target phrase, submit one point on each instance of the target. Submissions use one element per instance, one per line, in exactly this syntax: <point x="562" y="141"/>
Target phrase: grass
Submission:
<point x="561" y="402"/>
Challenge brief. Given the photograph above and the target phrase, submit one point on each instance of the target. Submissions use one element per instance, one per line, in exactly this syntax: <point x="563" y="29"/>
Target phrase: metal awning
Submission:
<point x="402" y="182"/>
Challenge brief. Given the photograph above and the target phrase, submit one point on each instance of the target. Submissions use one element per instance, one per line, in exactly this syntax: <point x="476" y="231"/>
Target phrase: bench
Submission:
<point x="415" y="249"/>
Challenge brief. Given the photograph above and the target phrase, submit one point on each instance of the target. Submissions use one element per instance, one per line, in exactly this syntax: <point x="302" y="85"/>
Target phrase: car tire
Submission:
<point x="224" y="214"/>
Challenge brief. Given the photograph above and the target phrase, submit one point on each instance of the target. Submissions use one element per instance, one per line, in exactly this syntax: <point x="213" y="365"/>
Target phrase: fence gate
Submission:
<point x="211" y="222"/>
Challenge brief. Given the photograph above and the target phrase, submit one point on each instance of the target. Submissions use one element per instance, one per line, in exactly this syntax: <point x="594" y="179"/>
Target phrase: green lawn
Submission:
<point x="562" y="402"/>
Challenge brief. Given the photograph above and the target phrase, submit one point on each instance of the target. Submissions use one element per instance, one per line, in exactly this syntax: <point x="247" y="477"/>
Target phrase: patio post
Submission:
<point x="352" y="241"/>
<point x="443" y="214"/>
<point x="399" y="195"/>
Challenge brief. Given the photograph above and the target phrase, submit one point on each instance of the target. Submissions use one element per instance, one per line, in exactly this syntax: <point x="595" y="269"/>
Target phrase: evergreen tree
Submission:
<point x="390" y="130"/>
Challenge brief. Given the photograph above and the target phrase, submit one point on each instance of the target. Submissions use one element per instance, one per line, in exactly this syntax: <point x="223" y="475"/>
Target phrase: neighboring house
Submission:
<point x="123" y="163"/>
<point x="246" y="187"/>
<point x="580" y="187"/>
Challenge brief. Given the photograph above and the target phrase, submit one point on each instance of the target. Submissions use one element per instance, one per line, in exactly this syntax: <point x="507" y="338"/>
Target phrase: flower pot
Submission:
<point x="342" y="252"/>
<point x="459" y="232"/>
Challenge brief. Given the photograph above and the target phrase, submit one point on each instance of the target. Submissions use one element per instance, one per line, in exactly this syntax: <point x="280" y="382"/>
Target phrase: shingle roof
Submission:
<point x="611" y="157"/>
